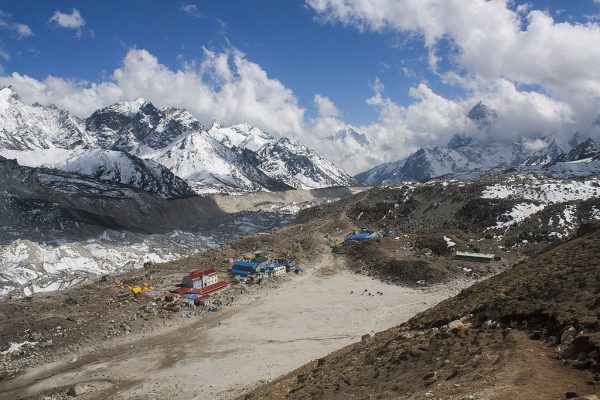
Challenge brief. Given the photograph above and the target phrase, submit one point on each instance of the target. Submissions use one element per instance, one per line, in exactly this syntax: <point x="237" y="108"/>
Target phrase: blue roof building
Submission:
<point x="245" y="268"/>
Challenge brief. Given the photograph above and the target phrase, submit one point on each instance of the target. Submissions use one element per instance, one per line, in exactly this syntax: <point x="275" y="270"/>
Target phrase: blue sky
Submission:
<point x="282" y="36"/>
<point x="309" y="50"/>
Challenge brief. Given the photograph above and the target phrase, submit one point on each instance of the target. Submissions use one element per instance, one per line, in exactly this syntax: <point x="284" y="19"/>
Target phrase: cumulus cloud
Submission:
<point x="325" y="106"/>
<point x="72" y="20"/>
<point x="545" y="52"/>
<point x="526" y="48"/>
<point x="223" y="86"/>
<point x="540" y="76"/>
<point x="21" y="30"/>
<point x="191" y="10"/>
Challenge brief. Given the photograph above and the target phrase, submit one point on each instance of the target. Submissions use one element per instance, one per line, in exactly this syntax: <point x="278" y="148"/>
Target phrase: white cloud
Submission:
<point x="325" y="106"/>
<point x="226" y="86"/>
<point x="539" y="75"/>
<point x="192" y="10"/>
<point x="555" y="61"/>
<point x="74" y="20"/>
<point x="23" y="31"/>
<point x="4" y="54"/>
<point x="545" y="52"/>
<point x="223" y="86"/>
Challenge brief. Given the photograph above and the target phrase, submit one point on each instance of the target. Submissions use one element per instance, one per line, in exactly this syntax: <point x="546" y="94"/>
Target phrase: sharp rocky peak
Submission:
<point x="482" y="115"/>
<point x="7" y="93"/>
<point x="349" y="133"/>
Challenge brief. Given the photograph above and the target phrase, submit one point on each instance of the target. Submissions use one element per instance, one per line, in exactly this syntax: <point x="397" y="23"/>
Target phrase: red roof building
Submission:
<point x="200" y="279"/>
<point x="204" y="291"/>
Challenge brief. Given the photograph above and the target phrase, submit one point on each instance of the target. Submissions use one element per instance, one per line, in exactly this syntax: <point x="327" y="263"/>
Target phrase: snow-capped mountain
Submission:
<point x="241" y="136"/>
<point x="460" y="155"/>
<point x="382" y="173"/>
<point x="201" y="159"/>
<point x="473" y="158"/>
<point x="285" y="159"/>
<point x="468" y="155"/>
<point x="24" y="127"/>
<point x="136" y="126"/>
<point x="107" y="166"/>
<point x="137" y="144"/>
<point x="588" y="150"/>
<point x="482" y="115"/>
<point x="348" y="134"/>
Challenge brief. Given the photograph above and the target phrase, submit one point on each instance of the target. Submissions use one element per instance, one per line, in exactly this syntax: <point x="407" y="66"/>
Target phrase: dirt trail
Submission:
<point x="315" y="313"/>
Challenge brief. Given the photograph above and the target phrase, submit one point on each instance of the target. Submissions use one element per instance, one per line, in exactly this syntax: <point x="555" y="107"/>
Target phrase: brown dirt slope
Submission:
<point x="530" y="332"/>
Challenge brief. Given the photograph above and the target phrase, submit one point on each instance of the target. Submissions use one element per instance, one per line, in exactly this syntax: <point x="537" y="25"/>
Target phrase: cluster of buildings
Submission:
<point x="260" y="265"/>
<point x="198" y="287"/>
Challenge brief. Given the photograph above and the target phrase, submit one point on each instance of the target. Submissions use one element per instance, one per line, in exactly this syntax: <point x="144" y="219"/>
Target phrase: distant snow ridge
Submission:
<point x="466" y="157"/>
<point x="463" y="154"/>
<point x="138" y="144"/>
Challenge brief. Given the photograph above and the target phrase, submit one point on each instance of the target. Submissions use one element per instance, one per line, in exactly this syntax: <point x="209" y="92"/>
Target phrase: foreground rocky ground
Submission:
<point x="530" y="332"/>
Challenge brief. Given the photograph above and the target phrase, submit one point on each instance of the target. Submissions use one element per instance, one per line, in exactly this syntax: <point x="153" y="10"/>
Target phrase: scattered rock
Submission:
<point x="78" y="389"/>
<point x="489" y="324"/>
<point x="456" y="324"/>
<point x="568" y="335"/>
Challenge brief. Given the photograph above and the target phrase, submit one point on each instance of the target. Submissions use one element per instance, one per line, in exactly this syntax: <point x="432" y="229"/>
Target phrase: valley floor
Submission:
<point x="229" y="353"/>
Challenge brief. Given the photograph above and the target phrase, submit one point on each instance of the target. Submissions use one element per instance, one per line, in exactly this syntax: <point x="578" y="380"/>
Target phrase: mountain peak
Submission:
<point x="459" y="141"/>
<point x="8" y="94"/>
<point x="130" y="107"/>
<point x="349" y="133"/>
<point x="216" y="125"/>
<point x="482" y="115"/>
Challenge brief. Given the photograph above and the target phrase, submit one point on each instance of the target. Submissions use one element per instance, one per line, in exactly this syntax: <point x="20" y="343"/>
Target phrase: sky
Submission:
<point x="402" y="72"/>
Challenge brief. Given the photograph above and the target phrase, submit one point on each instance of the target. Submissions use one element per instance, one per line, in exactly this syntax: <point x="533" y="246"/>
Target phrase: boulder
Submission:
<point x="78" y="389"/>
<point x="456" y="324"/>
<point x="568" y="335"/>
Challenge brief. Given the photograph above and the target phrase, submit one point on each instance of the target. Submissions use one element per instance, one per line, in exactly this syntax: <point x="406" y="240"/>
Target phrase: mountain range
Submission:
<point x="467" y="157"/>
<point x="165" y="151"/>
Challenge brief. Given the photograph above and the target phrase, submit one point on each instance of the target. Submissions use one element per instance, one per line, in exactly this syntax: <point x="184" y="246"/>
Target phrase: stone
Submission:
<point x="489" y="324"/>
<point x="78" y="390"/>
<point x="466" y="318"/>
<point x="456" y="324"/>
<point x="568" y="335"/>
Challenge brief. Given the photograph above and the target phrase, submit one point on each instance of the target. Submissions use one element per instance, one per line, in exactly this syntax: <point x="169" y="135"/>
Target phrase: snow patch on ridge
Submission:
<point x="519" y="213"/>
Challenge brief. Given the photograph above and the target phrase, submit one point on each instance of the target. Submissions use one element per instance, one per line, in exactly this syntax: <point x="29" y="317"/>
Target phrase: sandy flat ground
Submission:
<point x="306" y="318"/>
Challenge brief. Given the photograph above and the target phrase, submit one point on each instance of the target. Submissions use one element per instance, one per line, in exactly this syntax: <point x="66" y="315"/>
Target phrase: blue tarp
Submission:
<point x="240" y="272"/>
<point x="192" y="296"/>
<point x="360" y="236"/>
<point x="253" y="265"/>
